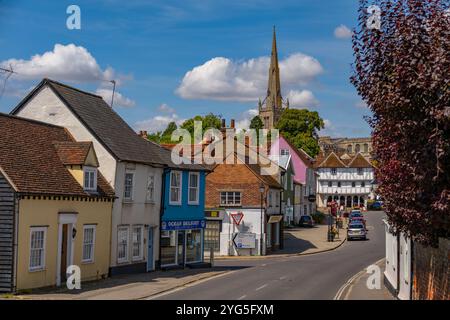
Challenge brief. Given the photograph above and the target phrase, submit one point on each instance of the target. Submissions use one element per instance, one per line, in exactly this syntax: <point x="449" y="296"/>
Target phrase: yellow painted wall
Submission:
<point x="45" y="213"/>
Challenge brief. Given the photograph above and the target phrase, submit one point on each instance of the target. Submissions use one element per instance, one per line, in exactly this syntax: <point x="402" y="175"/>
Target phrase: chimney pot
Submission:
<point x="232" y="123"/>
<point x="223" y="123"/>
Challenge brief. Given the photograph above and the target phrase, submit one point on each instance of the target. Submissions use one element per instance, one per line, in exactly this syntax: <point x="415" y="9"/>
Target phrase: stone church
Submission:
<point x="271" y="108"/>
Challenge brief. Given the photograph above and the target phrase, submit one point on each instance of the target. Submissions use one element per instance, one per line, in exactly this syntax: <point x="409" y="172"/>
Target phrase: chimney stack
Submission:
<point x="143" y="134"/>
<point x="223" y="123"/>
<point x="232" y="124"/>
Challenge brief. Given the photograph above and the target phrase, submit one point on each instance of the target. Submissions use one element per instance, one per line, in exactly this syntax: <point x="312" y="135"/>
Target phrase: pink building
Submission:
<point x="304" y="175"/>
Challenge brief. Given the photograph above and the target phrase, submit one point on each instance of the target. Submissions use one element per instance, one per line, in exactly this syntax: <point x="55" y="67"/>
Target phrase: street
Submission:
<point x="316" y="276"/>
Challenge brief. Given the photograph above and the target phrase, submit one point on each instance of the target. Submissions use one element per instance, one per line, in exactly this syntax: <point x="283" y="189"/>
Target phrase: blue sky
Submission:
<point x="150" y="46"/>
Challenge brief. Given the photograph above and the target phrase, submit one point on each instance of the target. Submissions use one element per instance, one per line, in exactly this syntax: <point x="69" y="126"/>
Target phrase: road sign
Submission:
<point x="244" y="240"/>
<point x="237" y="217"/>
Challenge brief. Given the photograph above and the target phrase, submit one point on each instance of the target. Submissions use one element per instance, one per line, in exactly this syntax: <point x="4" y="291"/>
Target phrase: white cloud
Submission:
<point x="329" y="129"/>
<point x="302" y="99"/>
<point x="64" y="63"/>
<point x="223" y="79"/>
<point x="166" y="108"/>
<point x="342" y="32"/>
<point x="360" y="104"/>
<point x="119" y="99"/>
<point x="158" y="123"/>
<point x="243" y="123"/>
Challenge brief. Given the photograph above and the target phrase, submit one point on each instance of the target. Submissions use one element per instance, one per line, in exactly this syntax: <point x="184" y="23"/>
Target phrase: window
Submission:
<point x="194" y="182"/>
<point x="150" y="188"/>
<point x="277" y="199"/>
<point x="175" y="187"/>
<point x="284" y="152"/>
<point x="366" y="148"/>
<point x="349" y="148"/>
<point x="360" y="171"/>
<point x="88" y="243"/>
<point x="37" y="248"/>
<point x="122" y="244"/>
<point x="138" y="243"/>
<point x="330" y="183"/>
<point x="333" y="171"/>
<point x="230" y="198"/>
<point x="129" y="181"/>
<point x="90" y="179"/>
<point x="353" y="184"/>
<point x="357" y="148"/>
<point x="339" y="184"/>
<point x="363" y="184"/>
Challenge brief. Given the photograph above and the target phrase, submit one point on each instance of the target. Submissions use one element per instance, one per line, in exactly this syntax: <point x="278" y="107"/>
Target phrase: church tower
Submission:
<point x="272" y="107"/>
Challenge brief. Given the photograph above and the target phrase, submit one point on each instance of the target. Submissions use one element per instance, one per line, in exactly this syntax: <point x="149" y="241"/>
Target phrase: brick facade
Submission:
<point x="431" y="272"/>
<point x="232" y="177"/>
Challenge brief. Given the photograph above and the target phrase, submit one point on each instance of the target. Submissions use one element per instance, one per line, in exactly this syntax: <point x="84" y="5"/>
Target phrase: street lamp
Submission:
<point x="261" y="191"/>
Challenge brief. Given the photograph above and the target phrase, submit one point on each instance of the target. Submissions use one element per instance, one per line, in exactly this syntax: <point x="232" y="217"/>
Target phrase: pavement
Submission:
<point x="299" y="241"/>
<point x="127" y="287"/>
<point x="292" y="273"/>
<point x="367" y="284"/>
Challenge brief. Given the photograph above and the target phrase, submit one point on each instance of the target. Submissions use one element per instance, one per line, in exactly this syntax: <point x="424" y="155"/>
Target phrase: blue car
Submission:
<point x="377" y="205"/>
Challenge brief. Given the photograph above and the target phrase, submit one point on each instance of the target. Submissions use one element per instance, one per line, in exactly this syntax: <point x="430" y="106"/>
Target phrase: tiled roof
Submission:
<point x="31" y="161"/>
<point x="104" y="123"/>
<point x="73" y="153"/>
<point x="341" y="160"/>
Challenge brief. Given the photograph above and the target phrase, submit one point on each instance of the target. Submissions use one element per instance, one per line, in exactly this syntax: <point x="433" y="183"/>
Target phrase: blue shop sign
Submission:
<point x="182" y="225"/>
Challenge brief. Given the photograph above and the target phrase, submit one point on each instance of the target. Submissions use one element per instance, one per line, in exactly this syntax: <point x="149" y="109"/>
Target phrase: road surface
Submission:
<point x="317" y="276"/>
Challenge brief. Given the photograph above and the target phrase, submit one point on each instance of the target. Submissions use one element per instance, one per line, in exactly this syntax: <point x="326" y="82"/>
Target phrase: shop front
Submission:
<point x="213" y="228"/>
<point x="182" y="242"/>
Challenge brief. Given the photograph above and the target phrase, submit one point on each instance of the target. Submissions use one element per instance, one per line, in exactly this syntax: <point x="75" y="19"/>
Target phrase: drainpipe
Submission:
<point x="280" y="235"/>
<point x="397" y="291"/>
<point x="411" y="270"/>
<point x="161" y="211"/>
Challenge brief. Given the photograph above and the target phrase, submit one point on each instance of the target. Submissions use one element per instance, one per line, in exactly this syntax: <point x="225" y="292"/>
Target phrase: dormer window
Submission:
<point x="284" y="152"/>
<point x="90" y="179"/>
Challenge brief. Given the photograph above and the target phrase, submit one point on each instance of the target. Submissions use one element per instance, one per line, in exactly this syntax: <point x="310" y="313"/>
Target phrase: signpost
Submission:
<point x="244" y="240"/>
<point x="237" y="217"/>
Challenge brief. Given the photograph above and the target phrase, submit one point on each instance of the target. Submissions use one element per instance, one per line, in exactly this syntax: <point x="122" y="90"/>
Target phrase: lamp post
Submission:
<point x="261" y="191"/>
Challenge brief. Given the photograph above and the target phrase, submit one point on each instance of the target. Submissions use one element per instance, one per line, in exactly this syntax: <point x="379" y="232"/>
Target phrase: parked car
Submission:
<point x="306" y="221"/>
<point x="357" y="217"/>
<point x="377" y="205"/>
<point x="356" y="230"/>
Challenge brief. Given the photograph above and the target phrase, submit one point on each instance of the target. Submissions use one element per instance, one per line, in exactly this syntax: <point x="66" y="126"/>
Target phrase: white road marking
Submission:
<point x="243" y="297"/>
<point x="283" y="277"/>
<point x="264" y="264"/>
<point x="259" y="288"/>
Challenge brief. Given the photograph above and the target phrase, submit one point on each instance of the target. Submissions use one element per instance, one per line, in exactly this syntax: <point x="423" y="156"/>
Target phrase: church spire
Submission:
<point x="274" y="88"/>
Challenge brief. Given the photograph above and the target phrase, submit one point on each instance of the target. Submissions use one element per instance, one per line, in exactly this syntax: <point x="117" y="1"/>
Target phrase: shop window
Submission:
<point x="193" y="245"/>
<point x="212" y="236"/>
<point x="168" y="247"/>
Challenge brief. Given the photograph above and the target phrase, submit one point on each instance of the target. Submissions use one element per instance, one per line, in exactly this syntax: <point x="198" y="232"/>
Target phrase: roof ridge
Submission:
<point x="50" y="81"/>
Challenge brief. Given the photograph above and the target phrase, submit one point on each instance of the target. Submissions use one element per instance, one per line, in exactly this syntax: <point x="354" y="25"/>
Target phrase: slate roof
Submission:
<point x="72" y="153"/>
<point x="31" y="161"/>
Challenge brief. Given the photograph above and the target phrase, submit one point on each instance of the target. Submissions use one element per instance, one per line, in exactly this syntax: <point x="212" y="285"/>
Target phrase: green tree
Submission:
<point x="256" y="123"/>
<point x="300" y="127"/>
<point x="208" y="121"/>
